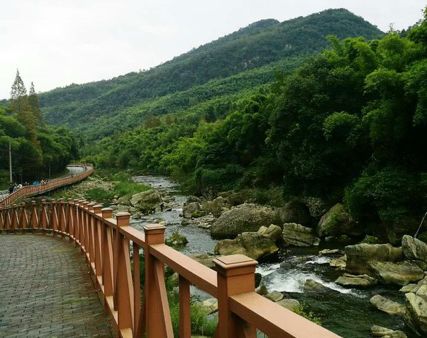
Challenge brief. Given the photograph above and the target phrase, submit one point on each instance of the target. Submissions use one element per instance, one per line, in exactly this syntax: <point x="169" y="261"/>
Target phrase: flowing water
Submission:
<point x="344" y="311"/>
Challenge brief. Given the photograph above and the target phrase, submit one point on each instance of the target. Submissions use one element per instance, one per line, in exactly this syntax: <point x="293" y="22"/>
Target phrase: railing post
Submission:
<point x="158" y="319"/>
<point x="236" y="275"/>
<point x="107" y="254"/>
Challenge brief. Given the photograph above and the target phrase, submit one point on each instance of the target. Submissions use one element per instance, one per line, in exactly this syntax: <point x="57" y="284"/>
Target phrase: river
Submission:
<point x="344" y="311"/>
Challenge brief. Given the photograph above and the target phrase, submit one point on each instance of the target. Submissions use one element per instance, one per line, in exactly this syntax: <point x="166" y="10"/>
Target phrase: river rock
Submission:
<point x="290" y="304"/>
<point x="339" y="263"/>
<point x="336" y="221"/>
<point x="298" y="235"/>
<point x="379" y="331"/>
<point x="146" y="201"/>
<point x="416" y="305"/>
<point x="243" y="218"/>
<point x="176" y="240"/>
<point x="215" y="207"/>
<point x="311" y="285"/>
<point x="361" y="281"/>
<point x="400" y="273"/>
<point x="330" y="252"/>
<point x="210" y="305"/>
<point x="189" y="209"/>
<point x="408" y="288"/>
<point x="274" y="232"/>
<point x="413" y="248"/>
<point x="295" y="212"/>
<point x="275" y="296"/>
<point x="251" y="244"/>
<point x="359" y="255"/>
<point x="388" y="306"/>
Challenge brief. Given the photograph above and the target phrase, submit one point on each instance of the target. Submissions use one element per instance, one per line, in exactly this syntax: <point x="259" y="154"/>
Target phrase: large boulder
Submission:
<point x="295" y="212"/>
<point x="413" y="248"/>
<point x="297" y="235"/>
<point x="243" y="218"/>
<point x="360" y="281"/>
<point x="400" y="273"/>
<point x="215" y="207"/>
<point x="274" y="232"/>
<point x="335" y="222"/>
<point x="359" y="255"/>
<point x="416" y="304"/>
<point x="146" y="201"/>
<point x="251" y="244"/>
<point x="190" y="208"/>
<point x="388" y="306"/>
<point x="379" y="331"/>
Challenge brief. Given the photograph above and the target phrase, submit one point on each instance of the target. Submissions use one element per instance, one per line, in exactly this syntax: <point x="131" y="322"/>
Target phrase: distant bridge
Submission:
<point x="112" y="249"/>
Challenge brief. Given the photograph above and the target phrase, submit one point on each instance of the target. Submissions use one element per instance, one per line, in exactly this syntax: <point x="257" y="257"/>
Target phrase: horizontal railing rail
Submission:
<point x="34" y="190"/>
<point x="113" y="251"/>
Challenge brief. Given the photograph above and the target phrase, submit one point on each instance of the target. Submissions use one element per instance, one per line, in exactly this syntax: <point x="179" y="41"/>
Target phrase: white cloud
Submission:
<point x="55" y="43"/>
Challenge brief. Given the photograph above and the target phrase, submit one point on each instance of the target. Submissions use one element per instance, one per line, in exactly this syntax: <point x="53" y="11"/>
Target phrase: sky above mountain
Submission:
<point x="56" y="43"/>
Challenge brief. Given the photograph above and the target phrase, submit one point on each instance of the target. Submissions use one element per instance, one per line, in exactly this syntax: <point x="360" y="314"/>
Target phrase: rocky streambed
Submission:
<point x="359" y="290"/>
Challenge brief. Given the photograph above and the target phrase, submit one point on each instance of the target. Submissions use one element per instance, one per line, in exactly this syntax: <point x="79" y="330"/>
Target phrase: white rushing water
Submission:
<point x="292" y="280"/>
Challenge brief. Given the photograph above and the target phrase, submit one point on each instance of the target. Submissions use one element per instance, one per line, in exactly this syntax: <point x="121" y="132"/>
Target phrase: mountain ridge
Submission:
<point x="256" y="45"/>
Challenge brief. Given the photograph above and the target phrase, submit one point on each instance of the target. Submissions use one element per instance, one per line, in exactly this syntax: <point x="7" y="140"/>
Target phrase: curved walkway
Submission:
<point x="46" y="290"/>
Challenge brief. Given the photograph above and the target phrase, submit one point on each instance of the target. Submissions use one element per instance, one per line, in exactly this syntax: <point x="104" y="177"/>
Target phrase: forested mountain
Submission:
<point x="187" y="79"/>
<point x="348" y="125"/>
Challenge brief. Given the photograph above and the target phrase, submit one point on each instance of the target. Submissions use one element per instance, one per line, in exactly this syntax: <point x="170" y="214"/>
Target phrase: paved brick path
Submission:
<point x="46" y="290"/>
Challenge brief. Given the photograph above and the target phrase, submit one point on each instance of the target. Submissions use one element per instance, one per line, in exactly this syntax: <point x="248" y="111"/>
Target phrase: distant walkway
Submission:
<point x="78" y="172"/>
<point x="46" y="290"/>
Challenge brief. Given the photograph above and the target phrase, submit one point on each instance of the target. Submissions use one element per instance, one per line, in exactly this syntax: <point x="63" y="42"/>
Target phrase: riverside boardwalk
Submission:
<point x="57" y="257"/>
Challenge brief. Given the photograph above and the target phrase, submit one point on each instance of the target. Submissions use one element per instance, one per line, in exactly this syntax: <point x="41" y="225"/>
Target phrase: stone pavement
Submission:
<point x="46" y="290"/>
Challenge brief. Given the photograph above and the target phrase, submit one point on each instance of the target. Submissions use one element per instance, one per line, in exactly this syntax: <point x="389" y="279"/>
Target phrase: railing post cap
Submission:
<point x="235" y="265"/>
<point x="107" y="212"/>
<point x="154" y="227"/>
<point x="122" y="214"/>
<point x="97" y="208"/>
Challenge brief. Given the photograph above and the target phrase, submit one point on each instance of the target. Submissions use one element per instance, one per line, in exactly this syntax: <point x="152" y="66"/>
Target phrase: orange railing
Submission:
<point x="112" y="249"/>
<point x="34" y="190"/>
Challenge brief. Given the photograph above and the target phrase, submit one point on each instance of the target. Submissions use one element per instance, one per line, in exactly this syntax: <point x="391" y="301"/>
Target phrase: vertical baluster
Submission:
<point x="1" y="219"/>
<point x="83" y="228"/>
<point x="90" y="252"/>
<point x="34" y="217"/>
<point x="184" y="308"/>
<point x="107" y="271"/>
<point x="124" y="286"/>
<point x="139" y="325"/>
<point x="43" y="215"/>
<point x="235" y="274"/>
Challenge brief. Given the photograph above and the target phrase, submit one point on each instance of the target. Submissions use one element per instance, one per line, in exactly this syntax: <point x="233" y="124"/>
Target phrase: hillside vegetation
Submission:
<point x="347" y="125"/>
<point x="243" y="60"/>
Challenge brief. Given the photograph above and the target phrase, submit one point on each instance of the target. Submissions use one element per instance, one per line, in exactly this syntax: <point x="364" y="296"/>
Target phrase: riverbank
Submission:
<point x="293" y="274"/>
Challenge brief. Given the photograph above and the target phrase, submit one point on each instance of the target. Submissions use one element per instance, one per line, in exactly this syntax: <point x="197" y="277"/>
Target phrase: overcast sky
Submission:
<point x="58" y="42"/>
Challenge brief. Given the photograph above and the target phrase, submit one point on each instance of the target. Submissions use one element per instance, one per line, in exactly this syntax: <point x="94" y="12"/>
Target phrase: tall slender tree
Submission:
<point x="19" y="104"/>
<point x="34" y="103"/>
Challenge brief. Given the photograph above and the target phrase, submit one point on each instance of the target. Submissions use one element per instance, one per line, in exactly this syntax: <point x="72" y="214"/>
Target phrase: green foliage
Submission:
<point x="237" y="114"/>
<point x="240" y="61"/>
<point x="390" y="196"/>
